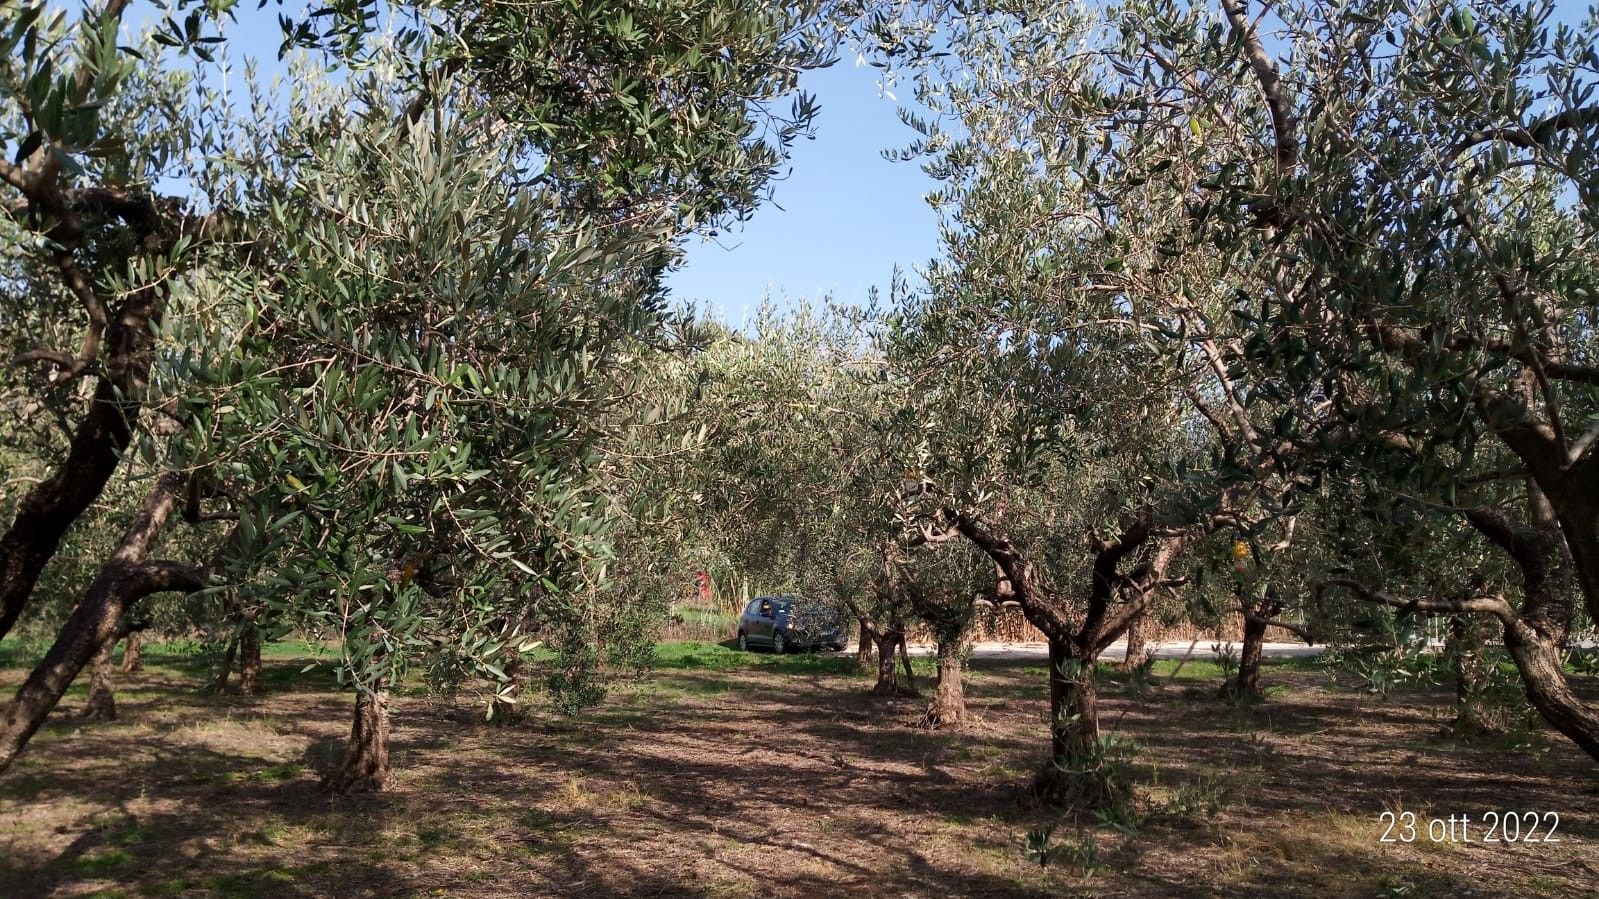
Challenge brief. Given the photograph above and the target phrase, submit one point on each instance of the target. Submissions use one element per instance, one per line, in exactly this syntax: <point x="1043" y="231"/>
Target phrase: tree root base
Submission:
<point x="1055" y="787"/>
<point x="346" y="783"/>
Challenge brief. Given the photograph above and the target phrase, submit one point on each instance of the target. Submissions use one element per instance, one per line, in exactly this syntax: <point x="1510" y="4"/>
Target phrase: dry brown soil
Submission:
<point x="778" y="779"/>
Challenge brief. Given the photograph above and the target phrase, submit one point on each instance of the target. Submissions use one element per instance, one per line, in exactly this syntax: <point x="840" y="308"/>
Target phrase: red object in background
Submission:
<point x="704" y="581"/>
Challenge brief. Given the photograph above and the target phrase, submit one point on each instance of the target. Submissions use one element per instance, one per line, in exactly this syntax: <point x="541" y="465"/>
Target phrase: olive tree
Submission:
<point x="1395" y="198"/>
<point x="302" y="304"/>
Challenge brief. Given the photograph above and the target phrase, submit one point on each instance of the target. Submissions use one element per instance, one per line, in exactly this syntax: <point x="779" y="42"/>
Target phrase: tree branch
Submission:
<point x="163" y="575"/>
<point x="1282" y="117"/>
<point x="1295" y="629"/>
<point x="1529" y="138"/>
<point x="1478" y="605"/>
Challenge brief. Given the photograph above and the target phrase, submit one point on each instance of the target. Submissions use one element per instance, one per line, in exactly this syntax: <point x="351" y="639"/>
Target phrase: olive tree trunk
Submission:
<point x="102" y="701"/>
<point x="128" y="576"/>
<point x="1077" y="770"/>
<point x="52" y="506"/>
<point x="250" y="660"/>
<point x="365" y="767"/>
<point x="1137" y="646"/>
<point x="948" y="708"/>
<point x="887" y="665"/>
<point x="1538" y="658"/>
<point x="1463" y="646"/>
<point x="863" y="652"/>
<point x="1246" y="681"/>
<point x="133" y="653"/>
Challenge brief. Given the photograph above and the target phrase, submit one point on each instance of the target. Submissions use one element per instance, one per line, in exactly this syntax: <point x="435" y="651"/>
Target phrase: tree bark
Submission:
<point x="102" y="702"/>
<point x="250" y="660"/>
<point x="1464" y="648"/>
<point x="125" y="578"/>
<point x="948" y="708"/>
<point x="887" y="668"/>
<point x="1137" y="648"/>
<point x="219" y="684"/>
<point x="133" y="653"/>
<point x="1246" y="682"/>
<point x="1536" y="636"/>
<point x="52" y="506"/>
<point x="863" y="652"/>
<point x="1077" y="770"/>
<point x="365" y="767"/>
<point x="1537" y="658"/>
<point x="910" y="675"/>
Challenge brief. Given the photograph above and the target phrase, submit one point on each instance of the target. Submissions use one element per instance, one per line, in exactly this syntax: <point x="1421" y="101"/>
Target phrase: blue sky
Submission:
<point x="837" y="224"/>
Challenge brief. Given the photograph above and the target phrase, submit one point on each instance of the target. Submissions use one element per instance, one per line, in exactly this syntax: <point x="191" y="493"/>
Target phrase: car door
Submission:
<point x="749" y="620"/>
<point x="759" y="629"/>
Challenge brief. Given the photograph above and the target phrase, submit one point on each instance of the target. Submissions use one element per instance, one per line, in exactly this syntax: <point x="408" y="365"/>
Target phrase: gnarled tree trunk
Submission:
<point x="1077" y="770"/>
<point x="887" y="665"/>
<point x="365" y="767"/>
<point x="250" y="659"/>
<point x="948" y="708"/>
<point x="863" y="652"/>
<point x="52" y="506"/>
<point x="1137" y="647"/>
<point x="123" y="580"/>
<point x="1537" y="657"/>
<point x="133" y="652"/>
<point x="102" y="701"/>
<point x="1246" y="682"/>
<point x="219" y="684"/>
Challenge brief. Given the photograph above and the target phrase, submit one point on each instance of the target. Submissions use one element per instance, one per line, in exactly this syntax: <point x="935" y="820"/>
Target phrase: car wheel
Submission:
<point x="779" y="643"/>
<point x="743" y="642"/>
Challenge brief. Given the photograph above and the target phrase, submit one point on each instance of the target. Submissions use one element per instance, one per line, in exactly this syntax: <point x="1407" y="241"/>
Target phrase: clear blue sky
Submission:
<point x="837" y="224"/>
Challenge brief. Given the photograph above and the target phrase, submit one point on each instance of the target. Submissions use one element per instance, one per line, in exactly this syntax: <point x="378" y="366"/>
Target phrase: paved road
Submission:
<point x="1026" y="652"/>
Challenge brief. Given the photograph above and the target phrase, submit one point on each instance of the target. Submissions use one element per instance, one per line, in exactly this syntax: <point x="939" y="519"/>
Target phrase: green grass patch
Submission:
<point x="101" y="862"/>
<point x="265" y="882"/>
<point x="699" y="655"/>
<point x="176" y="886"/>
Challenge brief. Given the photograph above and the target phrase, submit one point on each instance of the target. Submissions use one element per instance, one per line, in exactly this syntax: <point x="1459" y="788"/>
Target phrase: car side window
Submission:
<point x="766" y="608"/>
<point x="753" y="608"/>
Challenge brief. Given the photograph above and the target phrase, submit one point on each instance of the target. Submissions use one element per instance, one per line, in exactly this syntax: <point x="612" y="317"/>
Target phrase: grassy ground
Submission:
<point x="733" y="774"/>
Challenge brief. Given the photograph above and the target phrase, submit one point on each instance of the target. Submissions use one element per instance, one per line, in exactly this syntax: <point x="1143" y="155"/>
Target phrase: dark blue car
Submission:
<point x="785" y="623"/>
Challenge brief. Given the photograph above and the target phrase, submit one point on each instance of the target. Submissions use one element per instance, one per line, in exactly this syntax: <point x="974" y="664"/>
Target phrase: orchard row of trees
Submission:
<point x="1306" y="288"/>
<point x="1278" y="313"/>
<point x="370" y="350"/>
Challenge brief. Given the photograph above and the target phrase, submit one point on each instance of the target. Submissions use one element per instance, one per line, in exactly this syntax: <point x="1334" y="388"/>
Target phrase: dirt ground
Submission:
<point x="782" y="778"/>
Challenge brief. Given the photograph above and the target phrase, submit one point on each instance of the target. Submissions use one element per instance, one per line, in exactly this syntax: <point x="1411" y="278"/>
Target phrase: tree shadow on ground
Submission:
<point x="777" y="782"/>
